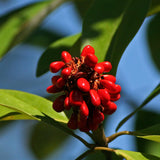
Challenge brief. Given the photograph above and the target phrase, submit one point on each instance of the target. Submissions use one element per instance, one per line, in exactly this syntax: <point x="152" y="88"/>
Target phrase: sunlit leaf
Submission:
<point x="18" y="24"/>
<point x="46" y="139"/>
<point x="155" y="7"/>
<point x="153" y="94"/>
<point x="154" y="39"/>
<point x="28" y="105"/>
<point x="130" y="155"/>
<point x="109" y="26"/>
<point x="53" y="53"/>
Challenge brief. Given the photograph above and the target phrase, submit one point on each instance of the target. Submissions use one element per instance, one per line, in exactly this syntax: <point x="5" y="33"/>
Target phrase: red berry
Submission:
<point x="56" y="66"/>
<point x="83" y="110"/>
<point x="53" y="89"/>
<point x="83" y="84"/>
<point x="58" y="104"/>
<point x="104" y="95"/>
<point x="110" y="86"/>
<point x="75" y="98"/>
<point x="115" y="97"/>
<point x="87" y="49"/>
<point x="107" y="66"/>
<point x="54" y="79"/>
<point x="72" y="123"/>
<point x="67" y="105"/>
<point x="66" y="72"/>
<point x="91" y="60"/>
<point x="110" y="107"/>
<point x="95" y="99"/>
<point x="66" y="57"/>
<point x="83" y="125"/>
<point x="118" y="88"/>
<point x="60" y="82"/>
<point x="109" y="77"/>
<point x="99" y="68"/>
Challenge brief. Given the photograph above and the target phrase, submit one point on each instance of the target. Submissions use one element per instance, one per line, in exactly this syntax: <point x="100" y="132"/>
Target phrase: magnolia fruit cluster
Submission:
<point x="88" y="90"/>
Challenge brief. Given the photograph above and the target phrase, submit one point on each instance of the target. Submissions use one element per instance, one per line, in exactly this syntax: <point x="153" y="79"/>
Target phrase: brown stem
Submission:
<point x="114" y="136"/>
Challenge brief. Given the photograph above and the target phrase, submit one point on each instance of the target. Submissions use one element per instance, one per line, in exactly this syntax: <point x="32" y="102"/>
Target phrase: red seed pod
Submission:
<point x="107" y="66"/>
<point x="115" y="97"/>
<point x="66" y="72"/>
<point x="110" y="86"/>
<point x="98" y="116"/>
<point x="56" y="66"/>
<point x="53" y="89"/>
<point x="87" y="49"/>
<point x="67" y="105"/>
<point x="104" y="95"/>
<point x="118" y="88"/>
<point x="83" y="85"/>
<point x="60" y="82"/>
<point x="110" y="108"/>
<point x="75" y="98"/>
<point x="91" y="60"/>
<point x="66" y="57"/>
<point x="73" y="121"/>
<point x="99" y="68"/>
<point x="91" y="125"/>
<point x="95" y="99"/>
<point x="83" y="110"/>
<point x="109" y="77"/>
<point x="83" y="124"/>
<point x="54" y="79"/>
<point x="58" y="104"/>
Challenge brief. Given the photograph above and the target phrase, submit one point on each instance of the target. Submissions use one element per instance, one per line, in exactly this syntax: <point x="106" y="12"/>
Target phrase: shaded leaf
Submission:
<point x="35" y="107"/>
<point x="42" y="37"/>
<point x="109" y="26"/>
<point x="153" y="94"/>
<point x="83" y="6"/>
<point x="17" y="25"/>
<point x="151" y="133"/>
<point x="154" y="39"/>
<point x="130" y="155"/>
<point x="142" y="121"/>
<point x="53" y="53"/>
<point x="155" y="7"/>
<point x="46" y="139"/>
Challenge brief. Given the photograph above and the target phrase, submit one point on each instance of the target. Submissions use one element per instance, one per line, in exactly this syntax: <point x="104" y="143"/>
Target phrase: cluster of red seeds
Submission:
<point x="88" y="91"/>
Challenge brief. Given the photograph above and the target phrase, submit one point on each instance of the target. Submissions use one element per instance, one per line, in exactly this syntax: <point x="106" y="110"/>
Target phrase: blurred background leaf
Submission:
<point x="46" y="139"/>
<point x="18" y="24"/>
<point x="154" y="8"/>
<point x="154" y="39"/>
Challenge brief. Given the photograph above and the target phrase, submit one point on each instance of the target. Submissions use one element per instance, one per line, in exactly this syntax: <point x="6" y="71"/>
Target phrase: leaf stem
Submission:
<point x="114" y="136"/>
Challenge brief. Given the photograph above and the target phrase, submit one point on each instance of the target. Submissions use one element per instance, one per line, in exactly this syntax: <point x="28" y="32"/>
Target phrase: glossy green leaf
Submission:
<point x="152" y="133"/>
<point x="155" y="7"/>
<point x="109" y="26"/>
<point x="53" y="53"/>
<point x="130" y="155"/>
<point x="17" y="25"/>
<point x="33" y="107"/>
<point x="46" y="139"/>
<point x="153" y="94"/>
<point x="154" y="39"/>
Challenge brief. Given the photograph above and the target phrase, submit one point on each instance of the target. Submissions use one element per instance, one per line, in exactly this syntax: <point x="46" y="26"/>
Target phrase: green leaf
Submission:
<point x="153" y="94"/>
<point x="28" y="105"/>
<point x="42" y="37"/>
<point x="53" y="53"/>
<point x="154" y="38"/>
<point x="130" y="155"/>
<point x="46" y="139"/>
<point x="155" y="7"/>
<point x="17" y="25"/>
<point x="151" y="133"/>
<point x="109" y="26"/>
